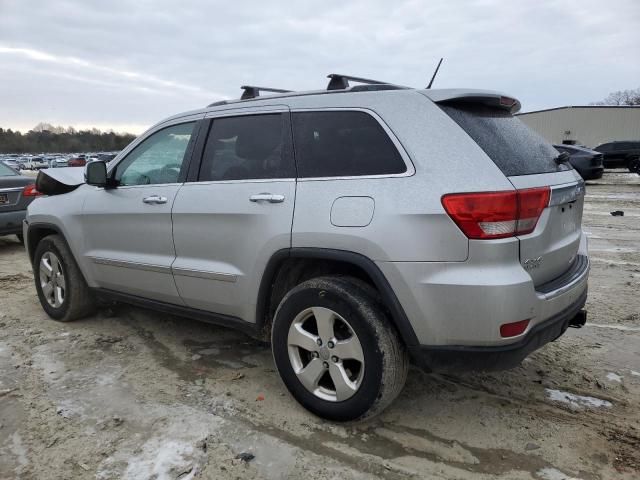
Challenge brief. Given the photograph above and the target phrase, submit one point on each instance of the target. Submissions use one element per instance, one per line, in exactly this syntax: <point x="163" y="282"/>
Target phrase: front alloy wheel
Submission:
<point x="52" y="279"/>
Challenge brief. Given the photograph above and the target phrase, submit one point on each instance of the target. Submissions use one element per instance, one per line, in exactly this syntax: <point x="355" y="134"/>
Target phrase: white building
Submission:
<point x="585" y="125"/>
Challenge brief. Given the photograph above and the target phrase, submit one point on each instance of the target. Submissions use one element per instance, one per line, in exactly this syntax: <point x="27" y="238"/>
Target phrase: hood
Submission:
<point x="55" y="181"/>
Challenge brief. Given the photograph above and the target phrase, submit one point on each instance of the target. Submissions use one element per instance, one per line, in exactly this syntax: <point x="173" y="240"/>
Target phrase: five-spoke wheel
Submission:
<point x="336" y="350"/>
<point x="326" y="354"/>
<point x="52" y="279"/>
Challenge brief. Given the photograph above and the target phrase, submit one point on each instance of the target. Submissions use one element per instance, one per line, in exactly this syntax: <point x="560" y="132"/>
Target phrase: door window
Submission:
<point x="158" y="159"/>
<point x="248" y="147"/>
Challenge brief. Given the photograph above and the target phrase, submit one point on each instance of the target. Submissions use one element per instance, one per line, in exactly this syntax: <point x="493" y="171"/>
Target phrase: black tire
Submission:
<point x="78" y="301"/>
<point x="386" y="360"/>
<point x="20" y="238"/>
<point x="634" y="165"/>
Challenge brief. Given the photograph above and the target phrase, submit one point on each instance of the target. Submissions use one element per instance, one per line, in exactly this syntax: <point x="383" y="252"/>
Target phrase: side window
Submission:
<point x="343" y="144"/>
<point x="248" y="147"/>
<point x="158" y="159"/>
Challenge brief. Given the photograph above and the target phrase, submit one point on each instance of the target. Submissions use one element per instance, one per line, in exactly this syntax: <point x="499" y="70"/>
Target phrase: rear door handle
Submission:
<point x="267" y="197"/>
<point x="155" y="200"/>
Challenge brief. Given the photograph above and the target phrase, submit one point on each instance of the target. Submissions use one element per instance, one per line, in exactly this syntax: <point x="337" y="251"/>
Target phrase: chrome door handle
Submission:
<point x="155" y="200"/>
<point x="267" y="197"/>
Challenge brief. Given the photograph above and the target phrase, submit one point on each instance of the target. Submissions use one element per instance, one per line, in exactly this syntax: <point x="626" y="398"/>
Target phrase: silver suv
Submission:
<point x="357" y="228"/>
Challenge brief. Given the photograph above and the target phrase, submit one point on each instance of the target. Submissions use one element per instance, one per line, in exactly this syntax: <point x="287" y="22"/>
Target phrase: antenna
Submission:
<point x="434" y="74"/>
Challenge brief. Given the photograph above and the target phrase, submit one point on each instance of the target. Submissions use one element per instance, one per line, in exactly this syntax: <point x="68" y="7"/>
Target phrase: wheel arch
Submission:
<point x="36" y="232"/>
<point x="288" y="267"/>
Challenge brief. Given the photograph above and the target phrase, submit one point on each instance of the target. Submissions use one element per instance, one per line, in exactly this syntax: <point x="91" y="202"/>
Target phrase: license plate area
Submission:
<point x="4" y="198"/>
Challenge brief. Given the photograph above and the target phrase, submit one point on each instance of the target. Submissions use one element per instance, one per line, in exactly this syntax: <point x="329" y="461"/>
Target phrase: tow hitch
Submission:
<point x="579" y="320"/>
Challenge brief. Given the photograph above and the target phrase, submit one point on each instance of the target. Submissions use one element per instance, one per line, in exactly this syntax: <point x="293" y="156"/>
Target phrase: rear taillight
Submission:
<point x="30" y="191"/>
<point x="491" y="215"/>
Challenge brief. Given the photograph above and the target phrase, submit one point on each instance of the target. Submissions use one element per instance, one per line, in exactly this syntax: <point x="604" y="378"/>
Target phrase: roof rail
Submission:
<point x="340" y="82"/>
<point x="251" y="91"/>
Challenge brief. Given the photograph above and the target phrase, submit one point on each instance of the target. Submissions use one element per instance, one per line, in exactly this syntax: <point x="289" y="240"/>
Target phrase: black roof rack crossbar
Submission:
<point x="340" y="82"/>
<point x="251" y="91"/>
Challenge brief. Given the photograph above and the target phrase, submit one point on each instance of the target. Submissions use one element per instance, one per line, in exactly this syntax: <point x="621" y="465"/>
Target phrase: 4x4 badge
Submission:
<point x="531" y="263"/>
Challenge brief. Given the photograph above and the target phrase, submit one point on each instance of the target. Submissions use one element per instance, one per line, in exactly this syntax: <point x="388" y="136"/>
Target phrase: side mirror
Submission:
<point x="95" y="173"/>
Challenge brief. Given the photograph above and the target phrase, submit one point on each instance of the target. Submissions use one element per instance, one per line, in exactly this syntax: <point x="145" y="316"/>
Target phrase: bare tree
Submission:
<point x="621" y="97"/>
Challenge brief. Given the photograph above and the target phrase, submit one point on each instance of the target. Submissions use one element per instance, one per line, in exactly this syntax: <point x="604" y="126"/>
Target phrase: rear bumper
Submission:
<point x="468" y="358"/>
<point x="11" y="222"/>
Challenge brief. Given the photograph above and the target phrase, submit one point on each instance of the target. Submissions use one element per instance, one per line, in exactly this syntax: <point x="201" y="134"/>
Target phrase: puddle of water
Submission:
<point x="231" y="354"/>
<point x="576" y="402"/>
<point x="615" y="327"/>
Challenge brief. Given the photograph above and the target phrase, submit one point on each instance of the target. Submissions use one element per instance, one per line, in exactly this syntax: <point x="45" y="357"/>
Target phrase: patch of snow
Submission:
<point x="161" y="459"/>
<point x="210" y="351"/>
<point x="576" y="401"/>
<point x="550" y="473"/>
<point x="635" y="374"/>
<point x="614" y="377"/>
<point x="64" y="334"/>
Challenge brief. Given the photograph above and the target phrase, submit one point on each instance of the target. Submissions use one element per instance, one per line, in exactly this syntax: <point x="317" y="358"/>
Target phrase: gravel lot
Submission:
<point x="130" y="393"/>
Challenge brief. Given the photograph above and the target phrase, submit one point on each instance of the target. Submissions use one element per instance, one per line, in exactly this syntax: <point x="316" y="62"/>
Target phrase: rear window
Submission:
<point x="5" y="171"/>
<point x="343" y="144"/>
<point x="513" y="147"/>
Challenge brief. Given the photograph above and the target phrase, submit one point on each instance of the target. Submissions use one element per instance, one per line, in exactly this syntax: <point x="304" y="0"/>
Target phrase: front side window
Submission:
<point x="343" y="144"/>
<point x="158" y="159"/>
<point x="248" y="147"/>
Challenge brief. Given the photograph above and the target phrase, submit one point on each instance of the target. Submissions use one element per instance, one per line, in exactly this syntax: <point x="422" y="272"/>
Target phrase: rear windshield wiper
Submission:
<point x="562" y="158"/>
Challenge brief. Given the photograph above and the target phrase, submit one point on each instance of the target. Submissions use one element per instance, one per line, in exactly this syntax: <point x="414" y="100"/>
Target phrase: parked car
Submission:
<point x="77" y="162"/>
<point x="16" y="193"/>
<point x="620" y="154"/>
<point x="587" y="162"/>
<point x="429" y="225"/>
<point x="58" y="162"/>
<point x="10" y="162"/>
<point x="36" y="163"/>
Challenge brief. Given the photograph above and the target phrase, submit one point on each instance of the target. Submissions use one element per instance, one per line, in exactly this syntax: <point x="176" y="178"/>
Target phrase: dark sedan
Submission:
<point x="16" y="193"/>
<point x="587" y="162"/>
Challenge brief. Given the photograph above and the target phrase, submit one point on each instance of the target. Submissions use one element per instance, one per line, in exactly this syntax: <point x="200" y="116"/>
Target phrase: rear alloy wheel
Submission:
<point x="326" y="354"/>
<point x="335" y="349"/>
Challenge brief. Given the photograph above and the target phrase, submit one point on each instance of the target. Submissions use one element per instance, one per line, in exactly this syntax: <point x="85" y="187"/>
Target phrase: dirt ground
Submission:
<point x="130" y="393"/>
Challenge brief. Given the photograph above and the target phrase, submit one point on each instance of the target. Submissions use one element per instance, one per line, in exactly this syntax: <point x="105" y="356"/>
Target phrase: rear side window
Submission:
<point x="343" y="144"/>
<point x="513" y="147"/>
<point x="248" y="147"/>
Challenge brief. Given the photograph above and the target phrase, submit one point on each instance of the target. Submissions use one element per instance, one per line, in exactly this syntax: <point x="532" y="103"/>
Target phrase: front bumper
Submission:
<point x="470" y="358"/>
<point x="11" y="222"/>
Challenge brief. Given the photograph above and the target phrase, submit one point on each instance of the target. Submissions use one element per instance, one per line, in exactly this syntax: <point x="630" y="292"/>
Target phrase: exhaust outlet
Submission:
<point x="579" y="320"/>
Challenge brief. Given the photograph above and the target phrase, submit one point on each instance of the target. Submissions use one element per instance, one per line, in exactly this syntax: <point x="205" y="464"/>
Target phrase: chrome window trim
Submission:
<point x="250" y="180"/>
<point x="411" y="170"/>
<point x="12" y="189"/>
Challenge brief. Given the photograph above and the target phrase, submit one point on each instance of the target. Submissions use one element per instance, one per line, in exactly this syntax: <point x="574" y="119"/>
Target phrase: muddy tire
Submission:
<point x="61" y="287"/>
<point x="336" y="351"/>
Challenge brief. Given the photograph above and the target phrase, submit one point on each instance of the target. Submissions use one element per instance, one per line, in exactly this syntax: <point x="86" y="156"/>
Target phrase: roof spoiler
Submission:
<point x="485" y="97"/>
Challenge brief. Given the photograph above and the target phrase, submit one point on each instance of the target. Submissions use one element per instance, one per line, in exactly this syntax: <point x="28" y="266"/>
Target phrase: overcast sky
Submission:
<point x="125" y="64"/>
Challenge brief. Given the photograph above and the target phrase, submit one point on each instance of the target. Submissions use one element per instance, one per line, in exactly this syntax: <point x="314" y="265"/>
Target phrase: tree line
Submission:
<point x="621" y="97"/>
<point x="45" y="138"/>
